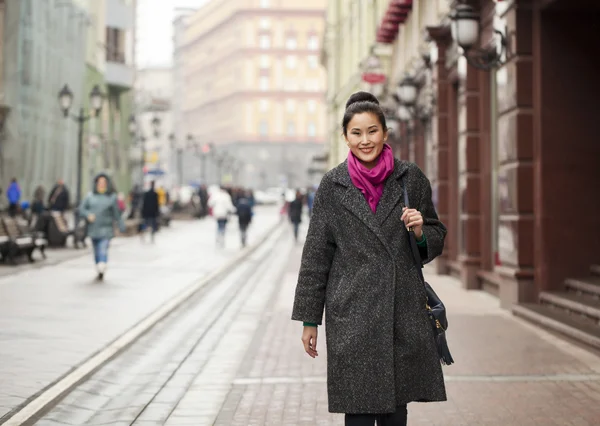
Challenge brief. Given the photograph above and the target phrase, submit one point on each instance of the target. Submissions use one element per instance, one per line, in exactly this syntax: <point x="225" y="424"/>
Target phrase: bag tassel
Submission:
<point x="443" y="350"/>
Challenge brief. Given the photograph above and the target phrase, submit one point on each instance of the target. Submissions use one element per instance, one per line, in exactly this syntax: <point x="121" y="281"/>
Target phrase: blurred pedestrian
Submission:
<point x="150" y="212"/>
<point x="245" y="213"/>
<point x="310" y="200"/>
<point x="101" y="210"/>
<point x="357" y="261"/>
<point x="221" y="205"/>
<point x="13" y="194"/>
<point x="295" y="213"/>
<point x="135" y="199"/>
<point x="37" y="207"/>
<point x="121" y="202"/>
<point x="58" y="200"/>
<point x="203" y="197"/>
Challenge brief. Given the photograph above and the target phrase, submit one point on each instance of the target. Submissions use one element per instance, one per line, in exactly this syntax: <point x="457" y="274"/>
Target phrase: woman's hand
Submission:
<point x="91" y="217"/>
<point x="309" y="339"/>
<point x="413" y="219"/>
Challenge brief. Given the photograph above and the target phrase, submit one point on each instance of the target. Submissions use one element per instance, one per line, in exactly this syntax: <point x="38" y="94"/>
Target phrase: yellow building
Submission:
<point x="252" y="77"/>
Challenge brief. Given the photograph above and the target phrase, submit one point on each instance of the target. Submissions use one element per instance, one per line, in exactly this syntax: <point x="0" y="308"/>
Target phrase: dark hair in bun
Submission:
<point x="361" y="102"/>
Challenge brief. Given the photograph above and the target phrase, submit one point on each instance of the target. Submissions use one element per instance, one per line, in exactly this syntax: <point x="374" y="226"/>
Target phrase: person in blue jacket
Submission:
<point x="14" y="195"/>
<point x="101" y="210"/>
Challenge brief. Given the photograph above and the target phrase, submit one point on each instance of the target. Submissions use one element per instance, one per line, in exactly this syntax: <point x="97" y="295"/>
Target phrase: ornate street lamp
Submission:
<point x="404" y="113"/>
<point x="65" y="100"/>
<point x="465" y="31"/>
<point x="155" y="126"/>
<point x="407" y="91"/>
<point x="132" y="126"/>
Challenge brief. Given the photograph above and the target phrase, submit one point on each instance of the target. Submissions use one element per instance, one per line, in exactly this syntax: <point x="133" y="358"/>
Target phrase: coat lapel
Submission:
<point x="354" y="201"/>
<point x="392" y="193"/>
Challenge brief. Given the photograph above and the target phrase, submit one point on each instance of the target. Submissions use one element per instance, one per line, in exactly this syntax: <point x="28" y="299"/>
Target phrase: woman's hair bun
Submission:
<point x="361" y="97"/>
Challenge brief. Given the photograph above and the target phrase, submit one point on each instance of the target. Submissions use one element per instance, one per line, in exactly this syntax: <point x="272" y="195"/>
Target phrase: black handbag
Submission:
<point x="434" y="305"/>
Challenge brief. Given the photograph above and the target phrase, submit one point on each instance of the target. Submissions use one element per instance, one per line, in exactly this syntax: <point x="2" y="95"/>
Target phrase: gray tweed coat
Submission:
<point x="358" y="265"/>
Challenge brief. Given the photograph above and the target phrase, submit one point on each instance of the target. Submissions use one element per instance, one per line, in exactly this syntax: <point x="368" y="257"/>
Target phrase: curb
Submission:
<point x="39" y="404"/>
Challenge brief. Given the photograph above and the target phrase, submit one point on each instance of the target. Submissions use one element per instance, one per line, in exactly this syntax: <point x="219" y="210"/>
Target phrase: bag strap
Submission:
<point x="413" y="240"/>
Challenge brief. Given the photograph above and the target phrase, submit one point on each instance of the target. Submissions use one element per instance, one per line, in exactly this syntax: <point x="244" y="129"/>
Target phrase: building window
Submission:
<point x="291" y="128"/>
<point x="265" y="61"/>
<point x="264" y="83"/>
<point x="291" y="43"/>
<point x="313" y="61"/>
<point x="311" y="106"/>
<point x="311" y="85"/>
<point x="264" y="105"/>
<point x="263" y="128"/>
<point x="265" y="23"/>
<point x="290" y="106"/>
<point x="264" y="41"/>
<point x="291" y="62"/>
<point x="312" y="130"/>
<point x="290" y="85"/>
<point x="313" y="42"/>
<point x="115" y="45"/>
<point x="265" y="3"/>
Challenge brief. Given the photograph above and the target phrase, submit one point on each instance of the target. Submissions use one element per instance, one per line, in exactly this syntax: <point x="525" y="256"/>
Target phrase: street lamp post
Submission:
<point x="206" y="150"/>
<point x="138" y="138"/>
<point x="65" y="98"/>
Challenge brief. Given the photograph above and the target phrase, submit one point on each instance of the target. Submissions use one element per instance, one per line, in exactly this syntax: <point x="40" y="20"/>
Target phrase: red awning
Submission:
<point x="396" y="14"/>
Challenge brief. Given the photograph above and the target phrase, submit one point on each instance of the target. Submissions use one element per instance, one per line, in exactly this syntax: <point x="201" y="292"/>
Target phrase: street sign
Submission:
<point x="373" y="78"/>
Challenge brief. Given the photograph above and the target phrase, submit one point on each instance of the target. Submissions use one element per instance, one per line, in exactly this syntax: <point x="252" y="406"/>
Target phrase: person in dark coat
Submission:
<point x="244" y="213"/>
<point x="58" y="200"/>
<point x="357" y="262"/>
<point x="150" y="211"/>
<point x="135" y="199"/>
<point x="203" y="196"/>
<point x="295" y="213"/>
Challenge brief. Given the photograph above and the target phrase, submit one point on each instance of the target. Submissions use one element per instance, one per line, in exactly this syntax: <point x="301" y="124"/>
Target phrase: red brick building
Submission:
<point x="512" y="151"/>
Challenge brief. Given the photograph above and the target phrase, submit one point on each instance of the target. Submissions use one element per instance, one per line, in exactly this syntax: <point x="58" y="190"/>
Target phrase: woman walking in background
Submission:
<point x="295" y="213"/>
<point x="101" y="210"/>
<point x="357" y="261"/>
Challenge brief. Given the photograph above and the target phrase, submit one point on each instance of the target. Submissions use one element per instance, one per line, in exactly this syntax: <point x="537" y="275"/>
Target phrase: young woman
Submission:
<point x="101" y="210"/>
<point x="358" y="263"/>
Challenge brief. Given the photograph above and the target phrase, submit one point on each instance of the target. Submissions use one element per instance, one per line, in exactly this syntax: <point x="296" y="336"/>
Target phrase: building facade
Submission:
<point x="154" y="91"/>
<point x="254" y="86"/>
<point x="505" y="129"/>
<point x="349" y="42"/>
<point x="43" y="49"/>
<point x="46" y="46"/>
<point x="109" y="64"/>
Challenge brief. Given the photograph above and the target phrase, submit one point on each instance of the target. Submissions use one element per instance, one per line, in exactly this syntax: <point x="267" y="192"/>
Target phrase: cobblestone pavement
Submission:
<point x="234" y="358"/>
<point x="506" y="373"/>
<point x="184" y="366"/>
<point x="54" y="317"/>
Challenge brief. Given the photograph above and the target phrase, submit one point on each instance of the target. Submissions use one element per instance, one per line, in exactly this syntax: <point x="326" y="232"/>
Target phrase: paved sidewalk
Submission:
<point x="54" y="317"/>
<point x="506" y="373"/>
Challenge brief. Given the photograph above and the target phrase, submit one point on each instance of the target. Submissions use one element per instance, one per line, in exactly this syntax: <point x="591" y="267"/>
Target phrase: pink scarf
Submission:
<point x="370" y="182"/>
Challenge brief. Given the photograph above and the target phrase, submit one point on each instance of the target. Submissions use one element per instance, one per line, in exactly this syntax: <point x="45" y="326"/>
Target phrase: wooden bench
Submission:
<point x="19" y="245"/>
<point x="39" y="238"/>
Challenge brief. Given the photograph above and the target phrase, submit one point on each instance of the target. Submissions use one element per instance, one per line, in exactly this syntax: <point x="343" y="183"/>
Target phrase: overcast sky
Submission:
<point x="155" y="32"/>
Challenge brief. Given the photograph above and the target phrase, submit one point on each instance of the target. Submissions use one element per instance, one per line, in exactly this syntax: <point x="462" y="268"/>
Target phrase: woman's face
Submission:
<point x="101" y="185"/>
<point x="365" y="137"/>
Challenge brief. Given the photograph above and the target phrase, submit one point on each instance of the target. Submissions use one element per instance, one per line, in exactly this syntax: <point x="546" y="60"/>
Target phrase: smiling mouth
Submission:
<point x="367" y="150"/>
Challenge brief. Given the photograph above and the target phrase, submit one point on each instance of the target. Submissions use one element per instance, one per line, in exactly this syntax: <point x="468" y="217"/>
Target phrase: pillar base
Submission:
<point x="440" y="265"/>
<point x="517" y="286"/>
<point x="468" y="272"/>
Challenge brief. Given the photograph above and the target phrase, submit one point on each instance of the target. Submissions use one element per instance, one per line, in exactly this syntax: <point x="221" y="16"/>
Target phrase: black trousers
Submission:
<point x="399" y="418"/>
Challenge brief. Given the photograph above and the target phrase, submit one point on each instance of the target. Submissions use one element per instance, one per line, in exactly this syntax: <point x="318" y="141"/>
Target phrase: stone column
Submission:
<point x="440" y="137"/>
<point x="515" y="159"/>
